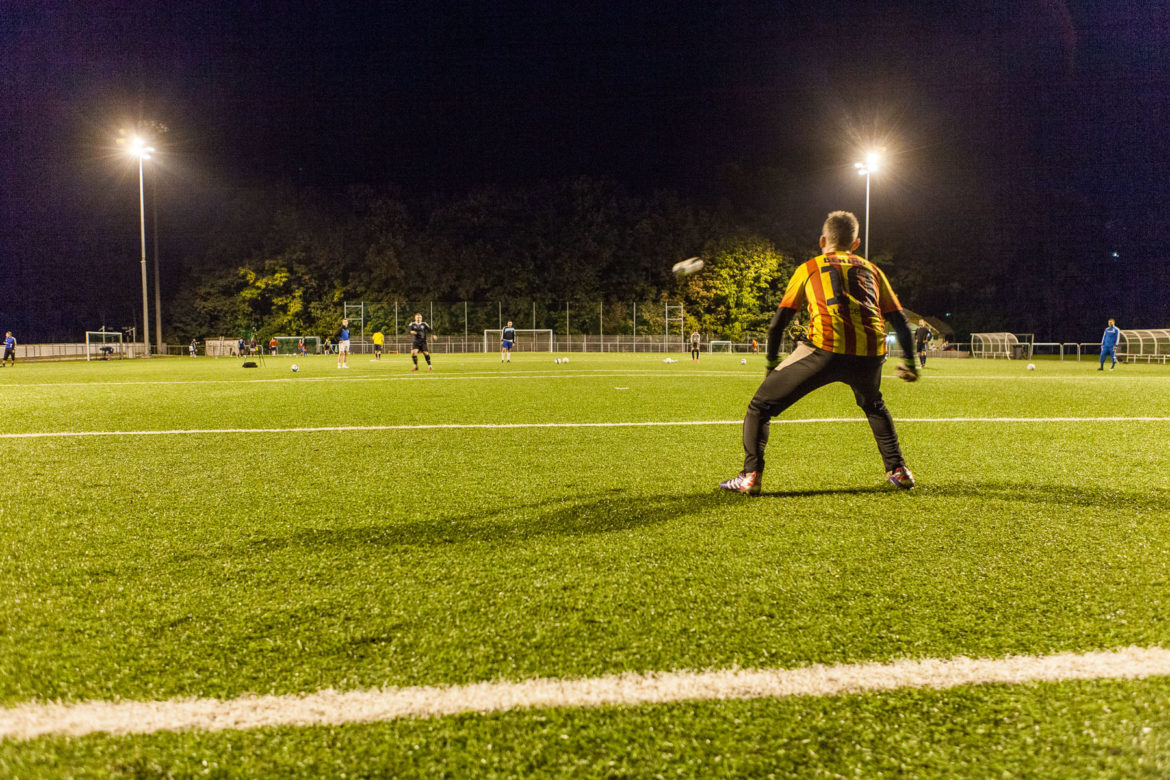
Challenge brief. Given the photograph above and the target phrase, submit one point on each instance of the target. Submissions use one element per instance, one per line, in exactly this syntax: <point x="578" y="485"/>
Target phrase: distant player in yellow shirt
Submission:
<point x="379" y="340"/>
<point x="848" y="298"/>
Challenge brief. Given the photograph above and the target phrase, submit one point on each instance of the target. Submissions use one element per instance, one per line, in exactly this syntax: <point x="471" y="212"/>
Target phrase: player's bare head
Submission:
<point x="922" y="323"/>
<point x="509" y="323"/>
<point x="418" y="317"/>
<point x="1111" y="323"/>
<point x="840" y="231"/>
<point x="345" y="322"/>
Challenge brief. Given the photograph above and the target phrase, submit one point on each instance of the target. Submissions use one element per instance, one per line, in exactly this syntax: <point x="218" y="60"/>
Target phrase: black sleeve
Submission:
<point x="776" y="329"/>
<point x="902" y="331"/>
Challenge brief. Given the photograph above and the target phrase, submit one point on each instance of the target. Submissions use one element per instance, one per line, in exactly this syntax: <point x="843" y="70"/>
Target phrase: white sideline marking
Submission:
<point x="505" y="426"/>
<point x="330" y="707"/>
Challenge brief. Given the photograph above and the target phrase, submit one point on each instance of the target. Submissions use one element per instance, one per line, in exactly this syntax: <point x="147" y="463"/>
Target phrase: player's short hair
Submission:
<point x="840" y="230"/>
<point x="509" y="323"/>
<point x="417" y="314"/>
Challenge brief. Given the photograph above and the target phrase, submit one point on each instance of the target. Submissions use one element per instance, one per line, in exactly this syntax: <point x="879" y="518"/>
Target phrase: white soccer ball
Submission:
<point x="564" y="360"/>
<point x="295" y="367"/>
<point x="1031" y="366"/>
<point x="743" y="361"/>
<point x="557" y="361"/>
<point x="687" y="267"/>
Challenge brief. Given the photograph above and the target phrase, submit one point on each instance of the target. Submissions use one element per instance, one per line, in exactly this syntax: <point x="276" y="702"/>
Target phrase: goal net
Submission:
<point x="103" y="345"/>
<point x="290" y="345"/>
<point x="719" y="346"/>
<point x="540" y="340"/>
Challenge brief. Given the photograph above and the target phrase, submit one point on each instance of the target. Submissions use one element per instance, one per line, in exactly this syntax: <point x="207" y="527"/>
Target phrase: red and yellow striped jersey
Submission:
<point x="848" y="298"/>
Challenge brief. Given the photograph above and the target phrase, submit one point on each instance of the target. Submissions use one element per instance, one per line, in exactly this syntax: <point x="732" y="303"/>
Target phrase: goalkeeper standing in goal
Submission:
<point x="507" y="339"/>
<point x="419" y="331"/>
<point x="848" y="297"/>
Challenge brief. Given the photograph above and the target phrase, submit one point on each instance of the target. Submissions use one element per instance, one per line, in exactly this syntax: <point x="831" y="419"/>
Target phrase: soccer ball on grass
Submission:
<point x="295" y="368"/>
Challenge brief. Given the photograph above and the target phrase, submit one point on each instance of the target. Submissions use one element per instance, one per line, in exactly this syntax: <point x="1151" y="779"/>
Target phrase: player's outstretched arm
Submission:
<point x="776" y="328"/>
<point x="905" y="340"/>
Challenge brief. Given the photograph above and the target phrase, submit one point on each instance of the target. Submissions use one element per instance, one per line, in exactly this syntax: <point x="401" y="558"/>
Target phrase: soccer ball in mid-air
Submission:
<point x="295" y="367"/>
<point x="1031" y="366"/>
<point x="687" y="267"/>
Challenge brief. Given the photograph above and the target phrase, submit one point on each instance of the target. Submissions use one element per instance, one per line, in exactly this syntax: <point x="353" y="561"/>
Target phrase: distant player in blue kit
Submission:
<point x="419" y="331"/>
<point x="1109" y="345"/>
<point x="506" y="342"/>
<point x="343" y="345"/>
<point x="9" y="349"/>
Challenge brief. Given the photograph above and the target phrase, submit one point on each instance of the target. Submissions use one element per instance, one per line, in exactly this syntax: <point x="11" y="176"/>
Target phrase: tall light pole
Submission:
<point x="138" y="148"/>
<point x="872" y="160"/>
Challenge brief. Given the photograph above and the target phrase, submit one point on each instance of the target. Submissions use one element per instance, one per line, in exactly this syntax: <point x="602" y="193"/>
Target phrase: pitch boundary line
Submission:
<point x="520" y="426"/>
<point x="570" y="374"/>
<point x="332" y="708"/>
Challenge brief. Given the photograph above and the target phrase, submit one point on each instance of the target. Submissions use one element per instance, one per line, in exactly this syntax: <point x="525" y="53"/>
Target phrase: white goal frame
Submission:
<point x="98" y="340"/>
<point x="713" y="345"/>
<point x="287" y="345"/>
<point x="527" y="340"/>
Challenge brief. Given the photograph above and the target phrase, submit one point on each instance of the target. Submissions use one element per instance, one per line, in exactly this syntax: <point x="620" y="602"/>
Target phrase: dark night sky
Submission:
<point x="1007" y="123"/>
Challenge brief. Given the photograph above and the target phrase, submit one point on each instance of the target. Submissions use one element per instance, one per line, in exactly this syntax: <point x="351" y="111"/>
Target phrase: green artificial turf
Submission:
<point x="217" y="564"/>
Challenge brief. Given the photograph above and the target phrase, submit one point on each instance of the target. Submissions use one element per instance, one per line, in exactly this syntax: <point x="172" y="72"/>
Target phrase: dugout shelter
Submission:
<point x="1148" y="345"/>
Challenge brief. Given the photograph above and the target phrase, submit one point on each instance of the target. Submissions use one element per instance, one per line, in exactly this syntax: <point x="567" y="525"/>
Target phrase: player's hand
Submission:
<point x="770" y="365"/>
<point x="907" y="373"/>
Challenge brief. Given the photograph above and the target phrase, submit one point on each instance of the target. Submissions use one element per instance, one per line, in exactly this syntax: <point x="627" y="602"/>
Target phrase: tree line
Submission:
<point x="284" y="261"/>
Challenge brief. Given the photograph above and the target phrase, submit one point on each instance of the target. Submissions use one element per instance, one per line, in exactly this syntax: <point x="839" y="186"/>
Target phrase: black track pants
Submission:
<point x="806" y="369"/>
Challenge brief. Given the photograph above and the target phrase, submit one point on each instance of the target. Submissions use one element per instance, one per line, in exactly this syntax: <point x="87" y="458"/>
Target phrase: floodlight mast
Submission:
<point x="138" y="148"/>
<point x="872" y="161"/>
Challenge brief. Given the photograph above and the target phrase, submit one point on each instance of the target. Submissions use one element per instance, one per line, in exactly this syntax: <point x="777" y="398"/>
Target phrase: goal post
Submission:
<point x="527" y="340"/>
<point x="103" y="345"/>
<point x="719" y="346"/>
<point x="288" y="345"/>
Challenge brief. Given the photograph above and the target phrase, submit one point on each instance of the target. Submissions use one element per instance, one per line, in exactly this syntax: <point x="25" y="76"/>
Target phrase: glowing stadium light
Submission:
<point x="137" y="147"/>
<point x="873" y="160"/>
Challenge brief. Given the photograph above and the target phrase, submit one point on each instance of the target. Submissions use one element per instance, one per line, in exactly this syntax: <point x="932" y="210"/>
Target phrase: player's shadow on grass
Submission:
<point x="1154" y="499"/>
<point x="609" y="512"/>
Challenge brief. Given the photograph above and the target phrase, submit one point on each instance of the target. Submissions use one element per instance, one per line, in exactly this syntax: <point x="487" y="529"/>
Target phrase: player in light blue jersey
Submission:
<point x="507" y="340"/>
<point x="1109" y="345"/>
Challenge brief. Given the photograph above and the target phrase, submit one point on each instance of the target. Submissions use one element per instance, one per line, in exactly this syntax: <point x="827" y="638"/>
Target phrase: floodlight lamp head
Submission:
<point x="872" y="159"/>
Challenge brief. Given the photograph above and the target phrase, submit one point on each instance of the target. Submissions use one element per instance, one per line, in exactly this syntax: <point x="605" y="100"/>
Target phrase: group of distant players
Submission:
<point x="419" y="333"/>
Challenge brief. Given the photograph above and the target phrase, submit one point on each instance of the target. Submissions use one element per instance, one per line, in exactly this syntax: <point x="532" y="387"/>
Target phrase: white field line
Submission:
<point x="330" y="707"/>
<point x="749" y="373"/>
<point x="513" y="426"/>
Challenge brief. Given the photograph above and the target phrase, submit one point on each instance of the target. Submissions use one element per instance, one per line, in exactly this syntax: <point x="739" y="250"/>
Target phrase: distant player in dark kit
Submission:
<point x="343" y="345"/>
<point x="419" y="331"/>
<point x="9" y="349"/>
<point x="922" y="341"/>
<point x="507" y="340"/>
<point x="1109" y="345"/>
<point x="694" y="346"/>
<point x="848" y="297"/>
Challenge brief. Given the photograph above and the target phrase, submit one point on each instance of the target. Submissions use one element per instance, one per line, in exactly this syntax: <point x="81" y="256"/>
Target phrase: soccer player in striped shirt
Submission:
<point x="848" y="298"/>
